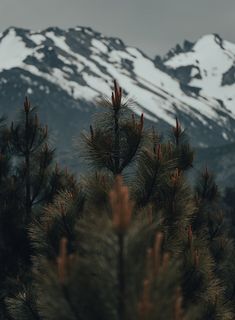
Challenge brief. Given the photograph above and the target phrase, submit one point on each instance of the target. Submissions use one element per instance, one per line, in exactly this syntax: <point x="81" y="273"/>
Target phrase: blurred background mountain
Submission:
<point x="65" y="73"/>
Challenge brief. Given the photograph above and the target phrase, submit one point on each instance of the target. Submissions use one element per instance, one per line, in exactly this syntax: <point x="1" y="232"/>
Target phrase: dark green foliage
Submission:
<point x="229" y="204"/>
<point x="211" y="223"/>
<point x="130" y="241"/>
<point x="28" y="181"/>
<point x="91" y="277"/>
<point x="113" y="143"/>
<point x="182" y="150"/>
<point x="58" y="220"/>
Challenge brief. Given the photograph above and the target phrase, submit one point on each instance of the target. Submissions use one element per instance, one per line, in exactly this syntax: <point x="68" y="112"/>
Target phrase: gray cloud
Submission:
<point x="152" y="25"/>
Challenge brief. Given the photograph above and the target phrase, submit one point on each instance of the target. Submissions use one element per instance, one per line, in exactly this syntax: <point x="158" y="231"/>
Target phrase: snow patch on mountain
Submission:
<point x="212" y="56"/>
<point x="198" y="83"/>
<point x="58" y="41"/>
<point x="12" y="51"/>
<point x="38" y="39"/>
<point x="99" y="45"/>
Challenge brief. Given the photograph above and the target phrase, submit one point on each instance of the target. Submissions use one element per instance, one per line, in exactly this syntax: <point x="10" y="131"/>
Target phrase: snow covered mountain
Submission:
<point x="64" y="71"/>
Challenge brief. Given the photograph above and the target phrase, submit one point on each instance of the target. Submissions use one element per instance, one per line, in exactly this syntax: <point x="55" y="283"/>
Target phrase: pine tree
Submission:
<point x="211" y="223"/>
<point x="28" y="181"/>
<point x="105" y="278"/>
<point x="173" y="204"/>
<point x="111" y="147"/>
<point x="128" y="242"/>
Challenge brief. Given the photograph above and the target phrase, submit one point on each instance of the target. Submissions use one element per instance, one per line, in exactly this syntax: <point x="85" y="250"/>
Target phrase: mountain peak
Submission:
<point x="80" y="64"/>
<point x="207" y="41"/>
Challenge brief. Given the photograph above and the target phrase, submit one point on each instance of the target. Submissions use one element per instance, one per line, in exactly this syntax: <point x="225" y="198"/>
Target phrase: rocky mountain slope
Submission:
<point x="66" y="71"/>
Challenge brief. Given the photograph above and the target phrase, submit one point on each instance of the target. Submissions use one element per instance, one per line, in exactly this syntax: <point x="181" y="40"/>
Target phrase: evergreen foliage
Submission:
<point x="28" y="181"/>
<point x="131" y="239"/>
<point x="211" y="223"/>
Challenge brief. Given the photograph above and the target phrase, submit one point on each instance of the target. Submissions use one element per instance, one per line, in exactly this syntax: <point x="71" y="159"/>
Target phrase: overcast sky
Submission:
<point x="154" y="26"/>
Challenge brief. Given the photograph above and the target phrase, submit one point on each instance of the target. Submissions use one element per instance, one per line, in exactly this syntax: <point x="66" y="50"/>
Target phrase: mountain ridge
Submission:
<point x="66" y="71"/>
